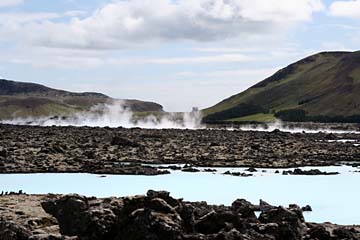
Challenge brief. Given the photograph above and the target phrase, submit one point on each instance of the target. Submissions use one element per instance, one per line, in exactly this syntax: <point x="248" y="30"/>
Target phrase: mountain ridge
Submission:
<point x="26" y="99"/>
<point x="11" y="87"/>
<point x="323" y="86"/>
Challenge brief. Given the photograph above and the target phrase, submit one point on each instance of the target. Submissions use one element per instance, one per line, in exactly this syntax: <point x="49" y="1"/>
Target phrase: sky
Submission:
<point x="179" y="53"/>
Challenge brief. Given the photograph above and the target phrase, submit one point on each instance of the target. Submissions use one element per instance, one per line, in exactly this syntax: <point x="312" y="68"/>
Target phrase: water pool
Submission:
<point x="333" y="198"/>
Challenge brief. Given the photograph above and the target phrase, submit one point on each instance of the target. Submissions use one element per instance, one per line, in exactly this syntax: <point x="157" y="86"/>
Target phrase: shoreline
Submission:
<point x="157" y="214"/>
<point x="164" y="169"/>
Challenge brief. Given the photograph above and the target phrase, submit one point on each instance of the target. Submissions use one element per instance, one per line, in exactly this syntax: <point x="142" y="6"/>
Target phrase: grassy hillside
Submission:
<point x="322" y="86"/>
<point x="259" y="117"/>
<point x="22" y="100"/>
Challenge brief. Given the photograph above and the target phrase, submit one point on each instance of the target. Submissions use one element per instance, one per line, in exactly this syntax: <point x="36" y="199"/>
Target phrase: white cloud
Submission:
<point x="349" y="9"/>
<point x="250" y="75"/>
<point x="75" y="13"/>
<point x="334" y="46"/>
<point x="9" y="3"/>
<point x="11" y="25"/>
<point x="290" y="10"/>
<point x="219" y="58"/>
<point x="7" y="19"/>
<point x="123" y="24"/>
<point x="226" y="49"/>
<point x="75" y="59"/>
<point x="207" y="57"/>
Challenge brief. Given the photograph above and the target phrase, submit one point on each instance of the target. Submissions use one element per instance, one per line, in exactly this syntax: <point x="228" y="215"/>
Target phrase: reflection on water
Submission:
<point x="333" y="198"/>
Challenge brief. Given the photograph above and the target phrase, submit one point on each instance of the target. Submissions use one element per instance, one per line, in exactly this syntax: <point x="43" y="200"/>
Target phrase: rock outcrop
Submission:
<point x="158" y="216"/>
<point x="155" y="216"/>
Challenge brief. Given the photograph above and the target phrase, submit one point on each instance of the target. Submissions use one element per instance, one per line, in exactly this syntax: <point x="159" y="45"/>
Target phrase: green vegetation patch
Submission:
<point x="241" y="110"/>
<point x="260" y="117"/>
<point x="323" y="87"/>
<point x="298" y="115"/>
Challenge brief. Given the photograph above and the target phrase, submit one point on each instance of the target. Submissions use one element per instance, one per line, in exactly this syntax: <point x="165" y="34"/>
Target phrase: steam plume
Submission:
<point x="117" y="115"/>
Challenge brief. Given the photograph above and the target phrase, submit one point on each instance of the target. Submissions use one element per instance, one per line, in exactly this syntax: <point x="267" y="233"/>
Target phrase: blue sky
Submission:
<point x="178" y="53"/>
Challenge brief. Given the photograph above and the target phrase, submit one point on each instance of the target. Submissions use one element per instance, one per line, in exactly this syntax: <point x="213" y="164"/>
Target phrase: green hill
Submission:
<point x="324" y="87"/>
<point x="22" y="100"/>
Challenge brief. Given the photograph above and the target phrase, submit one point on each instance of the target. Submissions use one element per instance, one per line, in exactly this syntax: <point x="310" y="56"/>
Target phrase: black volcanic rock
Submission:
<point x="299" y="171"/>
<point x="190" y="169"/>
<point x="245" y="208"/>
<point x="11" y="231"/>
<point x="345" y="233"/>
<point x="154" y="216"/>
<point x="125" y="151"/>
<point x="123" y="142"/>
<point x="320" y="233"/>
<point x="289" y="224"/>
<point x="158" y="216"/>
<point x="306" y="208"/>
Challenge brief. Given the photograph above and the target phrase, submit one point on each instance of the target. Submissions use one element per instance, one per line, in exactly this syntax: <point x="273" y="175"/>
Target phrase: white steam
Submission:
<point x="117" y="115"/>
<point x="279" y="125"/>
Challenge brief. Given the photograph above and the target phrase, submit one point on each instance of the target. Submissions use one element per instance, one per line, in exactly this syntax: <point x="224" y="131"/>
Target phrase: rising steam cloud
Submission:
<point x="117" y="115"/>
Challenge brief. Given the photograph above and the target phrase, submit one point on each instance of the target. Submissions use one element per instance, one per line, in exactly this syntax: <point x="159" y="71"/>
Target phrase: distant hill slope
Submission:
<point x="12" y="88"/>
<point x="21" y="99"/>
<point x="323" y="87"/>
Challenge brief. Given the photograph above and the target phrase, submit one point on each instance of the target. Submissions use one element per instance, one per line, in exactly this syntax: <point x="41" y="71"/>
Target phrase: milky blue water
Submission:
<point x="333" y="198"/>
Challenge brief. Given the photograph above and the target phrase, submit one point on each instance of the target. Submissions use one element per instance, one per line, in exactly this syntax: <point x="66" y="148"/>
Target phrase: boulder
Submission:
<point x="319" y="232"/>
<point x="251" y="169"/>
<point x="264" y="206"/>
<point x="307" y="208"/>
<point x="163" y="195"/>
<point x="77" y="218"/>
<point x="245" y="208"/>
<point x="3" y="152"/>
<point x="214" y="222"/>
<point x="12" y="231"/>
<point x="345" y="233"/>
<point x="290" y="224"/>
<point x="147" y="224"/>
<point x="123" y="142"/>
<point x="190" y="169"/>
<point x="160" y="205"/>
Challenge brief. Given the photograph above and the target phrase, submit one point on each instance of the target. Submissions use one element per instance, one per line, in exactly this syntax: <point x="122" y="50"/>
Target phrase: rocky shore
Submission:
<point x="30" y="149"/>
<point x="155" y="216"/>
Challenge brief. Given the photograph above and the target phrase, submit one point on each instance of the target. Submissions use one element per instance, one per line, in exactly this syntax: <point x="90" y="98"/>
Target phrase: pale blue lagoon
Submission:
<point x="333" y="198"/>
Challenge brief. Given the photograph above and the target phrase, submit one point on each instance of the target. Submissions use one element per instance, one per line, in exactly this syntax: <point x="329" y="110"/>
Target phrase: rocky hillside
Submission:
<point x="324" y="87"/>
<point x="20" y="99"/>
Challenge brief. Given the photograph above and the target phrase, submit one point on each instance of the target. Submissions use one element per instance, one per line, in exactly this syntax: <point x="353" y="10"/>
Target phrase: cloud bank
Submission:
<point x="349" y="9"/>
<point x="125" y="24"/>
<point x="10" y="3"/>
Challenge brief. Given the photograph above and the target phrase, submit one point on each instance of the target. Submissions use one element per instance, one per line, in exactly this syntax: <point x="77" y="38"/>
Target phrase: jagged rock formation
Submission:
<point x="158" y="216"/>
